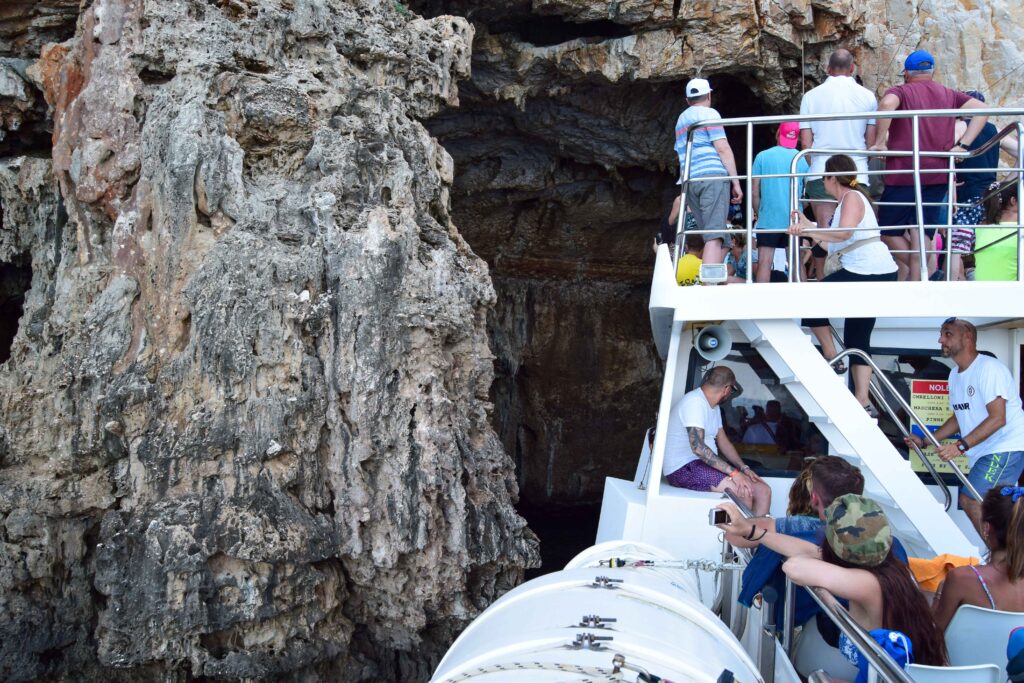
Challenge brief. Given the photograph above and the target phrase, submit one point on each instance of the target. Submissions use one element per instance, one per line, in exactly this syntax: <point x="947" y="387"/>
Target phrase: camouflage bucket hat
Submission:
<point x="857" y="530"/>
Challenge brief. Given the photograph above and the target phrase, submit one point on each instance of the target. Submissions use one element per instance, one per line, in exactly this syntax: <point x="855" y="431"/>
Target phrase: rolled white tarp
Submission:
<point x="558" y="627"/>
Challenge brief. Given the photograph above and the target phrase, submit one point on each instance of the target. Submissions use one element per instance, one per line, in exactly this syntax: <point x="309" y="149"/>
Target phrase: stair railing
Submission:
<point x="877" y="376"/>
<point x="964" y="482"/>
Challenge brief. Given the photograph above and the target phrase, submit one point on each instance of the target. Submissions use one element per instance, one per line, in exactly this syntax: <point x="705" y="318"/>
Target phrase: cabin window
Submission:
<point x="772" y="432"/>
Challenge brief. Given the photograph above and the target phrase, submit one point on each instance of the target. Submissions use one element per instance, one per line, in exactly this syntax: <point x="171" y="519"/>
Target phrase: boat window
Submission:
<point x="772" y="432"/>
<point x="768" y="427"/>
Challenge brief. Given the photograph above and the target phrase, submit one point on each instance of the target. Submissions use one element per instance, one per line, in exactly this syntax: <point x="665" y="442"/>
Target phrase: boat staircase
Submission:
<point x="918" y="517"/>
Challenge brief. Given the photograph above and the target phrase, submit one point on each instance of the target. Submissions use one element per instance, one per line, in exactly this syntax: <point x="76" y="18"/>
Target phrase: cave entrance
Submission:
<point x="15" y="281"/>
<point x="733" y="98"/>
<point x="562" y="192"/>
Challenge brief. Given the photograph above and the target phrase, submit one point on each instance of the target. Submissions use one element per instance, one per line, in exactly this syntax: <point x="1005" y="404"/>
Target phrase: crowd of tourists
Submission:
<point x="847" y="239"/>
<point x="837" y="539"/>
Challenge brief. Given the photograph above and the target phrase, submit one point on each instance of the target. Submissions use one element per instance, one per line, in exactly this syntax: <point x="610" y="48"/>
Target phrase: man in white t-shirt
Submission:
<point x="698" y="453"/>
<point x="986" y="413"/>
<point x="839" y="94"/>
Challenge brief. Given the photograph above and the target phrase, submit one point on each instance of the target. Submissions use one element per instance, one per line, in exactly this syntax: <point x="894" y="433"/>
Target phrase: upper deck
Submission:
<point x="995" y="300"/>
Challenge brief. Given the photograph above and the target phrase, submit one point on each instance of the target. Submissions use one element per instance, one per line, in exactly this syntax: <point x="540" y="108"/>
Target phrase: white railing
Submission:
<point x="915" y="153"/>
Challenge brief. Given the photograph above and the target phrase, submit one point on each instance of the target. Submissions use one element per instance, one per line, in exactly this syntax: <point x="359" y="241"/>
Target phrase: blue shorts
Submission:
<point x="996" y="468"/>
<point x="907" y="215"/>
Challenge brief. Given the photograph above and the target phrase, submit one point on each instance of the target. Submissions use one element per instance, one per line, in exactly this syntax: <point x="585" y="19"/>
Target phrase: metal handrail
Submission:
<point x="878" y="658"/>
<point x="947" y="496"/>
<point x="915" y="153"/>
<point x="876" y="391"/>
<point x="964" y="482"/>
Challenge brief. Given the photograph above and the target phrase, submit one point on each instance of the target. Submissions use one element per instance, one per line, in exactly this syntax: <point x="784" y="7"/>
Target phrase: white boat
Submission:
<point x="654" y="599"/>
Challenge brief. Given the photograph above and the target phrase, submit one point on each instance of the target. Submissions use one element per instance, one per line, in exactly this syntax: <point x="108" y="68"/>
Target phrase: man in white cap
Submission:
<point x="710" y="157"/>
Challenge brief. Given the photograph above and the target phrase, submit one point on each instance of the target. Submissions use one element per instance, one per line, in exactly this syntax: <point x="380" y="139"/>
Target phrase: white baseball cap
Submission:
<point x="697" y="87"/>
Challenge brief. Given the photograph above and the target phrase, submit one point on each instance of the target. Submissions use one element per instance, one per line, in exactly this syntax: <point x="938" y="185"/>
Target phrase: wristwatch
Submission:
<point x="962" y="446"/>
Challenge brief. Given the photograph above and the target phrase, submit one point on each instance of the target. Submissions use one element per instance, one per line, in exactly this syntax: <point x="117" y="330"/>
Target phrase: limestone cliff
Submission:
<point x="244" y="426"/>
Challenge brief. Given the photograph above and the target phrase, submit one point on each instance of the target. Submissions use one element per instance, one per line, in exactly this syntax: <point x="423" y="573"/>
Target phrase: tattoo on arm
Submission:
<point x="701" y="450"/>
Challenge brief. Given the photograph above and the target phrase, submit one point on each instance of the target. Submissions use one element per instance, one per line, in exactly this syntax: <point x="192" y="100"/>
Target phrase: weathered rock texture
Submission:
<point x="244" y="426"/>
<point x="564" y="165"/>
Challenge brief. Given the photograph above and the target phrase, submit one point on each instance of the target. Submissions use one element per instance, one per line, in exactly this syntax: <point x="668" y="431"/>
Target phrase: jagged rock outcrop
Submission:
<point x="564" y="166"/>
<point x="244" y="427"/>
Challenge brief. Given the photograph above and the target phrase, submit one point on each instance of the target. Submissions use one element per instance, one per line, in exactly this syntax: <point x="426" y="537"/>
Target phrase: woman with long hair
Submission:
<point x="999" y="584"/>
<point x="800" y="494"/>
<point x="863" y="258"/>
<point x="856" y="562"/>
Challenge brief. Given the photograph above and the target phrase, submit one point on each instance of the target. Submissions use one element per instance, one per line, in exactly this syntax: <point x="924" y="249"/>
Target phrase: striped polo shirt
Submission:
<point x="704" y="157"/>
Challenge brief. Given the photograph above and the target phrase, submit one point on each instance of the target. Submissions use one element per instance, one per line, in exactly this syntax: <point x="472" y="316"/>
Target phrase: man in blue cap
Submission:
<point x="919" y="91"/>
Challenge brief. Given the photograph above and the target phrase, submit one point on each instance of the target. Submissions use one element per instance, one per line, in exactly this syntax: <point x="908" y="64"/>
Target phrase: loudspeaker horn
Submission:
<point x="713" y="342"/>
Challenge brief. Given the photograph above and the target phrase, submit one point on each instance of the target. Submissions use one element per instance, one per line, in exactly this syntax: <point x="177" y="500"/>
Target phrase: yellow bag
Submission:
<point x="688" y="270"/>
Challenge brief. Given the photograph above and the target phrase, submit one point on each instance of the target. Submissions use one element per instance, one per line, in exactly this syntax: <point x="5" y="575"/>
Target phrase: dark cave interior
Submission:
<point x="562" y="194"/>
<point x="15" y="280"/>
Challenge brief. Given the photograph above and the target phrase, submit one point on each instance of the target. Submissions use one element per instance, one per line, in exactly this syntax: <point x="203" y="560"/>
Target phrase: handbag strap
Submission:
<point x="856" y="245"/>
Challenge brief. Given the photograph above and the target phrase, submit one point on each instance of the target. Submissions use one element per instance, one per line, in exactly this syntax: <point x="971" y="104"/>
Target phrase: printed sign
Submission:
<point x="929" y="398"/>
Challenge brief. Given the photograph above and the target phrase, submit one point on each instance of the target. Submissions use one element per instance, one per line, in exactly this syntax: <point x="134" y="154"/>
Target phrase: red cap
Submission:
<point x="789" y="133"/>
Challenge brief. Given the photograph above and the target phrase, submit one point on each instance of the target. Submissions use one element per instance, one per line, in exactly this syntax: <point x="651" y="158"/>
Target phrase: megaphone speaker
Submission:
<point x="713" y="342"/>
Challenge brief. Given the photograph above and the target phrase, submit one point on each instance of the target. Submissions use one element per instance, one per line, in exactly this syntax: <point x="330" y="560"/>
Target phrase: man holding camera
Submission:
<point x="698" y="453"/>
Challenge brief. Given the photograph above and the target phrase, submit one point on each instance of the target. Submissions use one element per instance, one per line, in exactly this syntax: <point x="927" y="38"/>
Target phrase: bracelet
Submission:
<point x="750" y="536"/>
<point x="764" y="532"/>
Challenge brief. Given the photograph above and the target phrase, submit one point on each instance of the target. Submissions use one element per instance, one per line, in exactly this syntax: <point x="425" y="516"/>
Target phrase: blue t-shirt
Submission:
<point x="704" y="159"/>
<point x="773" y="213"/>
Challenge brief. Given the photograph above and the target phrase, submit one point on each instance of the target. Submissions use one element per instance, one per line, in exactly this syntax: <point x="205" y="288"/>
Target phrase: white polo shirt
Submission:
<point x="970" y="391"/>
<point x="838" y="95"/>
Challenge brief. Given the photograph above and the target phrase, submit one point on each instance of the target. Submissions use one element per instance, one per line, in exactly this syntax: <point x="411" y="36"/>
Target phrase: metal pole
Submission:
<point x="950" y="192"/>
<point x="794" y="240"/>
<point x="1020" y="204"/>
<point x="750" y="202"/>
<point x="788" y="617"/>
<point x="915" y="132"/>
<point x="766" y="661"/>
<point x="685" y="177"/>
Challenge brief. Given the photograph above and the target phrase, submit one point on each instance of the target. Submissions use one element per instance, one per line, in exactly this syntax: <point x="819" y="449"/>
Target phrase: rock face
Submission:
<point x="564" y="166"/>
<point x="244" y="425"/>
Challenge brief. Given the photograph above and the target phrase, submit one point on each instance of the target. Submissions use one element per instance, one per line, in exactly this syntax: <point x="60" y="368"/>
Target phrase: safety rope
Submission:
<point x="701" y="565"/>
<point x="597" y="673"/>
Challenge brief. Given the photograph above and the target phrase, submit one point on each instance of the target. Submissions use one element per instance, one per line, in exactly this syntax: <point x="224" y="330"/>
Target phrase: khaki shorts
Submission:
<point x="815" y="189"/>
<point x="709" y="203"/>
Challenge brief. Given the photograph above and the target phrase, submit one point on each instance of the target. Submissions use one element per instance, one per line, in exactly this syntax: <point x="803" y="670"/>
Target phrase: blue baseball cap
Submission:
<point x="919" y="60"/>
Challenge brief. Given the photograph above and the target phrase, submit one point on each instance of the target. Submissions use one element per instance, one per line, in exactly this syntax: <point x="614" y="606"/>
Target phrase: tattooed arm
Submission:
<point x="701" y="450"/>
